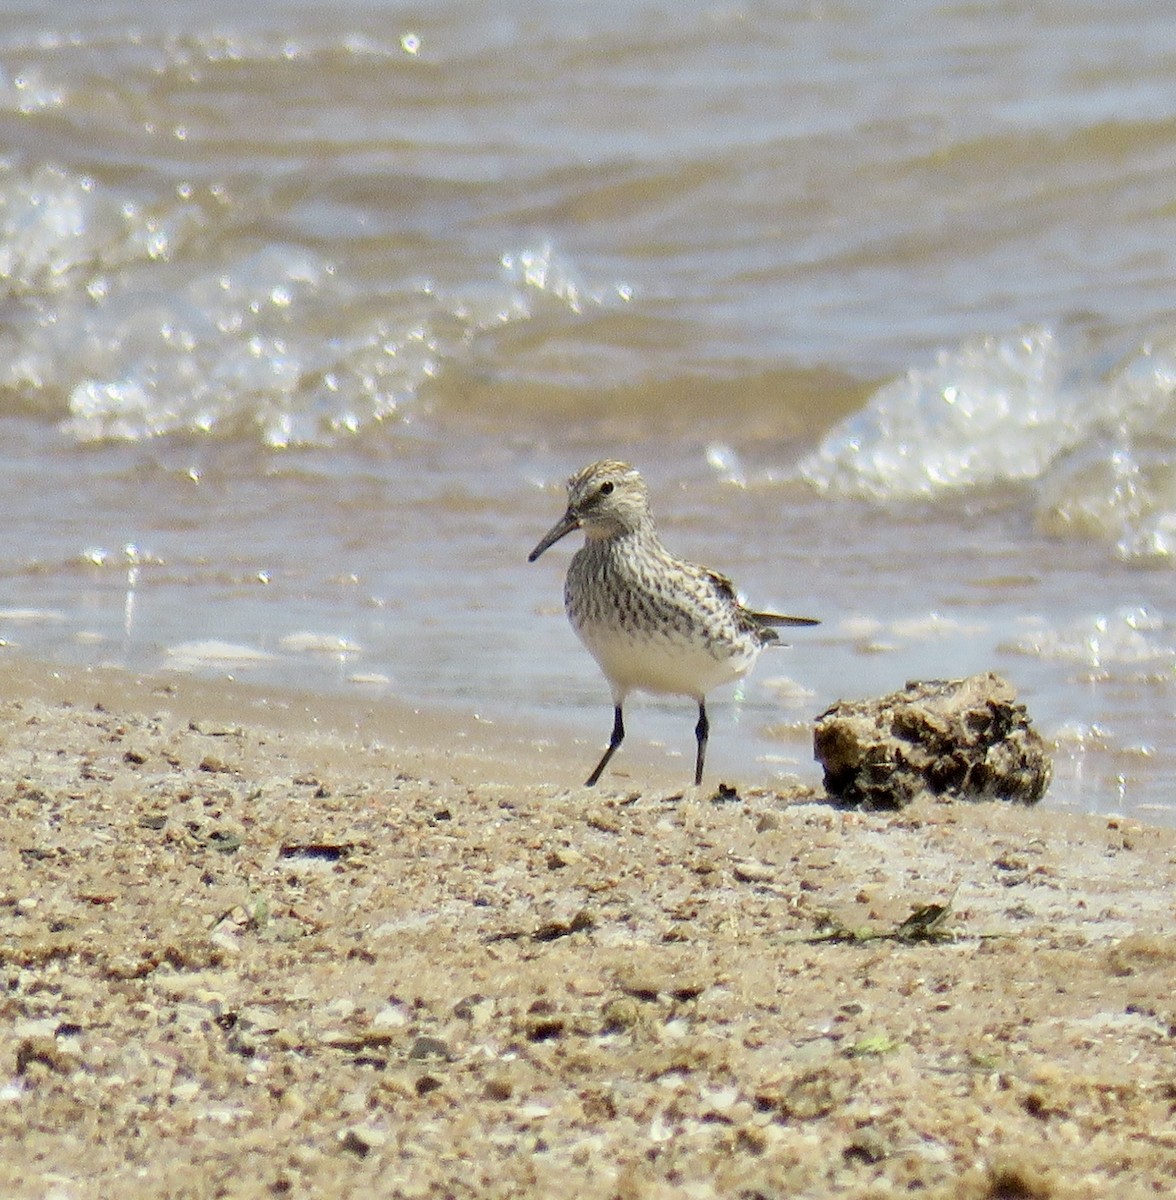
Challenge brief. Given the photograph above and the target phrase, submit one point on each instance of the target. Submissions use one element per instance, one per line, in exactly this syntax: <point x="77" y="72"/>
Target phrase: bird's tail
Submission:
<point x="772" y="620"/>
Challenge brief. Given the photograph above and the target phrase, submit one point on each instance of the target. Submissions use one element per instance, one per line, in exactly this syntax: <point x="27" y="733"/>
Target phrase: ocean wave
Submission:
<point x="126" y="322"/>
<point x="1094" y="449"/>
<point x="995" y="410"/>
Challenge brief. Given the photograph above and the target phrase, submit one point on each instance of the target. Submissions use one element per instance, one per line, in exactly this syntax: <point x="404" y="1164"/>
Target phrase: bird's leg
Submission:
<point x="618" y="736"/>
<point x="701" y="732"/>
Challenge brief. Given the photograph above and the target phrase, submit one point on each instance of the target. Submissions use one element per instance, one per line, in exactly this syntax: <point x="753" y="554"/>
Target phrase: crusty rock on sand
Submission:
<point x="967" y="738"/>
<point x="259" y="947"/>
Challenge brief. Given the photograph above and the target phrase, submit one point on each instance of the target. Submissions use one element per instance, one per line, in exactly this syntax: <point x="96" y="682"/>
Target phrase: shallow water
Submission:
<point x="308" y="310"/>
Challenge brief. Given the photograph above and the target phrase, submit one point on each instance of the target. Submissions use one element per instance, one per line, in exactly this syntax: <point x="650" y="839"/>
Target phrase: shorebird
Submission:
<point x="653" y="622"/>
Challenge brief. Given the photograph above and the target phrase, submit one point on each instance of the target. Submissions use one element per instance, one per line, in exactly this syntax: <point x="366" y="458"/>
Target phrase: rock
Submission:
<point x="498" y="1089"/>
<point x="46" y="1052"/>
<point x="751" y="870"/>
<point x="967" y="738"/>
<point x="361" y="1140"/>
<point x="430" y="1047"/>
<point x="621" y="1013"/>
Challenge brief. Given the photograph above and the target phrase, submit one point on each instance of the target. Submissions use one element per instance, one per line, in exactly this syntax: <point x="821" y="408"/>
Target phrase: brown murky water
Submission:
<point x="309" y="310"/>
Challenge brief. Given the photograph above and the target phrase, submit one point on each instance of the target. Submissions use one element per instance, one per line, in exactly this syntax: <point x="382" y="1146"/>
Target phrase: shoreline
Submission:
<point x="260" y="946"/>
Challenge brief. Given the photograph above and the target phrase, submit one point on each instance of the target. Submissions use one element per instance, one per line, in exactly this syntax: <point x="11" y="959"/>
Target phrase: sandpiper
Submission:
<point x="653" y="622"/>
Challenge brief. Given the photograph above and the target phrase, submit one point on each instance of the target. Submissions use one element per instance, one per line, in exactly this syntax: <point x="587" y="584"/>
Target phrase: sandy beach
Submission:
<point x="259" y="945"/>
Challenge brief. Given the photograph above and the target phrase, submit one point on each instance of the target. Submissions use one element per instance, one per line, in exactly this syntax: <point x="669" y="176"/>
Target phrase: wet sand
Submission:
<point x="262" y="945"/>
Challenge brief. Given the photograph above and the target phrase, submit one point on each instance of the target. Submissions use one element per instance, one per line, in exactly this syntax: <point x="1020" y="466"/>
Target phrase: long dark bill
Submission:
<point x="561" y="528"/>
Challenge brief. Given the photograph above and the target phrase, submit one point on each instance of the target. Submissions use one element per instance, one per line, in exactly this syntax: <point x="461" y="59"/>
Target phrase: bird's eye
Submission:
<point x="606" y="488"/>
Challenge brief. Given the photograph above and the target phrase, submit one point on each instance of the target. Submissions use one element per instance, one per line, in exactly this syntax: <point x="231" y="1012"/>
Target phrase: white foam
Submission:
<point x="545" y="270"/>
<point x="992" y="411"/>
<point x="202" y="655"/>
<point x="934" y="626"/>
<point x="31" y="616"/>
<point x="319" y="643"/>
<point x="372" y="679"/>
<point x="1099" y="449"/>
<point x="1128" y="636"/>
<point x="787" y="691"/>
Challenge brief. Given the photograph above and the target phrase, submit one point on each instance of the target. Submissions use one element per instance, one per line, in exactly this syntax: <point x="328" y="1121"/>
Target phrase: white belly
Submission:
<point x="662" y="664"/>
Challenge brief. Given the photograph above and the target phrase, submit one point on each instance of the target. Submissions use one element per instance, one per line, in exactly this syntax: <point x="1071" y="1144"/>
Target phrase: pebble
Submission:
<point x="38" y="1027"/>
<point x="392" y="1016"/>
<point x="751" y="870"/>
<point x="362" y="1139"/>
<point x="430" y="1047"/>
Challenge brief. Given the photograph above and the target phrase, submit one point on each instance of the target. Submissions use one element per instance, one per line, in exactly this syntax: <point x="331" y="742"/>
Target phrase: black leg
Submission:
<point x="702" y="732"/>
<point x="618" y="736"/>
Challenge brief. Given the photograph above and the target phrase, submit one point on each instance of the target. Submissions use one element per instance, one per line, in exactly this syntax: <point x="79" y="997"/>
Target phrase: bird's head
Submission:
<point x="606" y="499"/>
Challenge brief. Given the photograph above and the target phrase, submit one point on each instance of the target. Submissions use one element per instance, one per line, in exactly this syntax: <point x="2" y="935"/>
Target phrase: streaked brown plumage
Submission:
<point x="653" y="622"/>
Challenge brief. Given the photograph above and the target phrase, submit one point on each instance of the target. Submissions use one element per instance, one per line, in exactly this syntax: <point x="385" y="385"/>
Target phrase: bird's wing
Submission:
<point x="726" y="589"/>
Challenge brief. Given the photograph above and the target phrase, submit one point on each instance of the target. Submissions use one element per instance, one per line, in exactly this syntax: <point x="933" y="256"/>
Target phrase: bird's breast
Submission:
<point x="653" y="629"/>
